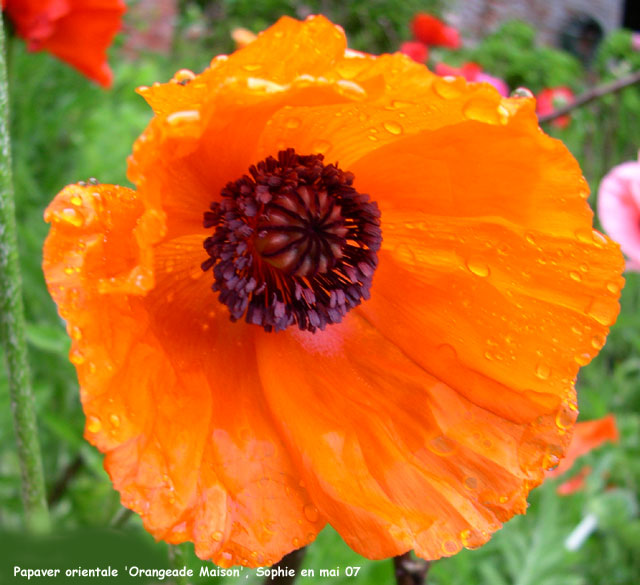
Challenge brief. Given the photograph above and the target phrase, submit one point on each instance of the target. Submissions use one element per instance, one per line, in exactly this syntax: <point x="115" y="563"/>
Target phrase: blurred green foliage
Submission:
<point x="65" y="129"/>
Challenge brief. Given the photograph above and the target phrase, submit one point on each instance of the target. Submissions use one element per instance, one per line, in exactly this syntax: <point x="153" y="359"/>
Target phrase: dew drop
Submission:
<point x="225" y="559"/>
<point x="94" y="424"/>
<point x="115" y="420"/>
<point x="442" y="445"/>
<point x="252" y="67"/>
<point x="184" y="76"/>
<point x="393" y="128"/>
<point x="293" y="123"/>
<point x="471" y="483"/>
<point x="399" y="104"/>
<point x="76" y="357"/>
<point x="183" y="117"/>
<point x="566" y="416"/>
<point x="521" y="92"/>
<point x="478" y="267"/>
<point x="321" y="146"/>
<point x="613" y="288"/>
<point x="582" y="359"/>
<point x="71" y="216"/>
<point x="450" y="547"/>
<point x="598" y="341"/>
<point x="75" y="333"/>
<point x="76" y="200"/>
<point x="481" y="110"/>
<point x="217" y="536"/>
<point x="603" y="311"/>
<point x="543" y="371"/>
<point x="575" y="276"/>
<point x="311" y="513"/>
<point x="551" y="458"/>
<point x="448" y="87"/>
<point x="296" y="542"/>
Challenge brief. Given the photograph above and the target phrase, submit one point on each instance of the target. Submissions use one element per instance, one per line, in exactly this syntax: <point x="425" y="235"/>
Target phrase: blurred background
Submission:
<point x="67" y="129"/>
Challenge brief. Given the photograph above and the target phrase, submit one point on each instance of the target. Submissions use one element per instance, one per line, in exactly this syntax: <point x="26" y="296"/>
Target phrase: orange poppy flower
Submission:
<point x="411" y="390"/>
<point x="78" y="32"/>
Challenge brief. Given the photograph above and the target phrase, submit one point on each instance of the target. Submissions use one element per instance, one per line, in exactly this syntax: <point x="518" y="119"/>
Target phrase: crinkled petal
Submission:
<point x="170" y="386"/>
<point x="392" y="454"/>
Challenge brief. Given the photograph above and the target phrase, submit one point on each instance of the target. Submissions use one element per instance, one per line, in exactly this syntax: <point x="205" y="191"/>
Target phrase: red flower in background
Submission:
<point x="416" y="50"/>
<point x="78" y="32"/>
<point x="552" y="98"/>
<point x="433" y="32"/>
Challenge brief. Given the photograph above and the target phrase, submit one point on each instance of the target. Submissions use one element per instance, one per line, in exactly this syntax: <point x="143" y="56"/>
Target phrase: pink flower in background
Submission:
<point x="635" y="41"/>
<point x="431" y="31"/>
<point x="619" y="209"/>
<point x="418" y="51"/>
<point x="473" y="72"/>
<point x="552" y="98"/>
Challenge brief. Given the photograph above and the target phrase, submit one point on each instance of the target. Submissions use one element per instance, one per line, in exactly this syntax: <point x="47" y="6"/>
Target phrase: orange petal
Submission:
<point x="194" y="461"/>
<point x="393" y="455"/>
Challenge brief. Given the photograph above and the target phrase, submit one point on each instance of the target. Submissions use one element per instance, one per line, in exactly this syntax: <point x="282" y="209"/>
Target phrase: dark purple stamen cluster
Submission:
<point x="294" y="242"/>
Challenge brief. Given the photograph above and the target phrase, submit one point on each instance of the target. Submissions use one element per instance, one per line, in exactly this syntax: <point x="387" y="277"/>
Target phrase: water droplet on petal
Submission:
<point x="183" y="117"/>
<point x="478" y="267"/>
<point x="582" y="359"/>
<point x="543" y="371"/>
<point x="293" y="123"/>
<point x="321" y="146"/>
<point x="451" y="547"/>
<point x="311" y="513"/>
<point x="115" y="420"/>
<point x="94" y="424"/>
<point x="76" y="357"/>
<point x="598" y="341"/>
<point x="448" y="87"/>
<point x="393" y="128"/>
<point x="184" y="76"/>
<point x="442" y="445"/>
<point x="71" y="216"/>
<point x="575" y="276"/>
<point x="482" y="110"/>
<point x="613" y="288"/>
<point x="522" y="92"/>
<point x="217" y="536"/>
<point x="603" y="311"/>
<point x="471" y="483"/>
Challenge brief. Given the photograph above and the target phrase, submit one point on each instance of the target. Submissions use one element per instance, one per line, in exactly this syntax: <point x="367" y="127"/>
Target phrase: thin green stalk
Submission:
<point x="12" y="330"/>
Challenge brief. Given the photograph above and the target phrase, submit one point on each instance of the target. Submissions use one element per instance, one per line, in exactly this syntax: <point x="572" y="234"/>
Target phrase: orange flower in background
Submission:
<point x="405" y="283"/>
<point x="587" y="436"/>
<point x="78" y="32"/>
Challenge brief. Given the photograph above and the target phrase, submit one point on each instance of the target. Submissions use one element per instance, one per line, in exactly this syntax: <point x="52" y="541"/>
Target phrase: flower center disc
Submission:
<point x="294" y="243"/>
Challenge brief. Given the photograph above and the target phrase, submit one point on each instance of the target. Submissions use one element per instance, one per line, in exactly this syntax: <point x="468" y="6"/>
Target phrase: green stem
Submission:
<point x="12" y="330"/>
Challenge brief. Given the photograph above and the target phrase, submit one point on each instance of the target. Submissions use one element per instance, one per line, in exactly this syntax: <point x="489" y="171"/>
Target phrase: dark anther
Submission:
<point x="294" y="243"/>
